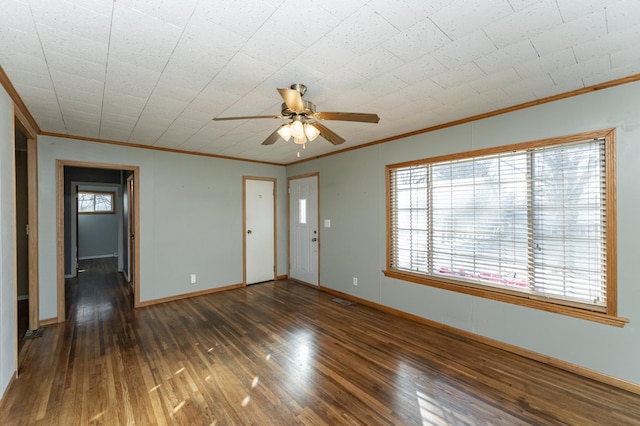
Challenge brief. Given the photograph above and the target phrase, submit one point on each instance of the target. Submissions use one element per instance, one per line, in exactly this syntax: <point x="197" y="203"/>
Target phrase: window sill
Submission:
<point x="515" y="299"/>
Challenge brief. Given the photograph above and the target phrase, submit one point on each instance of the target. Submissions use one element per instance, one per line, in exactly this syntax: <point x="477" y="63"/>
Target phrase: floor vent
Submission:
<point x="34" y="334"/>
<point x="454" y="335"/>
<point x="342" y="301"/>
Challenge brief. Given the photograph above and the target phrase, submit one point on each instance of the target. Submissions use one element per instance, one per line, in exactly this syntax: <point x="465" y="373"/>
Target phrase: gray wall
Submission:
<point x="352" y="195"/>
<point x="79" y="174"/>
<point x="8" y="326"/>
<point x="98" y="233"/>
<point x="190" y="216"/>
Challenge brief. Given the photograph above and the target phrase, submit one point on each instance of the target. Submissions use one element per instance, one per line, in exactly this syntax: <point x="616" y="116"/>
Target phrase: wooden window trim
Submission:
<point x="113" y="202"/>
<point x="504" y="295"/>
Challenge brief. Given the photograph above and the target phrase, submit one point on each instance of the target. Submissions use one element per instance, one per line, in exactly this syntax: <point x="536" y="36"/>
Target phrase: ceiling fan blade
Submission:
<point x="293" y="100"/>
<point x="247" y="117"/>
<point x="348" y="116"/>
<point x="329" y="134"/>
<point x="272" y="138"/>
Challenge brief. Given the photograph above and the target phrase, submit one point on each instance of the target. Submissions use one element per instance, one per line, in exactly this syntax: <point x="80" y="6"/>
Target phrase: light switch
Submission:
<point x="327" y="223"/>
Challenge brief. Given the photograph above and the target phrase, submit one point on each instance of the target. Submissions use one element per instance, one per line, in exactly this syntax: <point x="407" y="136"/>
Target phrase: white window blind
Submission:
<point x="531" y="221"/>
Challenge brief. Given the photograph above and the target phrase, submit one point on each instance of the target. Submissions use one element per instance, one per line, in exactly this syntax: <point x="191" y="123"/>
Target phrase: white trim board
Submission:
<point x="102" y="256"/>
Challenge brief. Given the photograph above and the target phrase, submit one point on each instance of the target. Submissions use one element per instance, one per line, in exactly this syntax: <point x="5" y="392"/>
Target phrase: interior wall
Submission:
<point x="8" y="326"/>
<point x="352" y="195"/>
<point x="98" y="233"/>
<point x="190" y="216"/>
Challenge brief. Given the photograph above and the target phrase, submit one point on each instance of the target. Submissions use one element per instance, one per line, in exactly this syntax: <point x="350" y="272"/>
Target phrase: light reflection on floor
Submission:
<point x="300" y="365"/>
<point x="96" y="417"/>
<point x="178" y="407"/>
<point x="246" y="400"/>
<point x="92" y="311"/>
<point x="430" y="411"/>
<point x="303" y="346"/>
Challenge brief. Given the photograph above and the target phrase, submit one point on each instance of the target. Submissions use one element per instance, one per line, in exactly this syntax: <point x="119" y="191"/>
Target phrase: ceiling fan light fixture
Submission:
<point x="297" y="129"/>
<point x="285" y="132"/>
<point x="311" y="131"/>
<point x="300" y="140"/>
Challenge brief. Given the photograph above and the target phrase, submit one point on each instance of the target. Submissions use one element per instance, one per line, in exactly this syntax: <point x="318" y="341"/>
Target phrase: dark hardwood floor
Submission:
<point x="278" y="354"/>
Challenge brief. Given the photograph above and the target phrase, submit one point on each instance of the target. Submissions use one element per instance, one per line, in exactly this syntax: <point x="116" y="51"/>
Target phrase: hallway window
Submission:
<point x="96" y="202"/>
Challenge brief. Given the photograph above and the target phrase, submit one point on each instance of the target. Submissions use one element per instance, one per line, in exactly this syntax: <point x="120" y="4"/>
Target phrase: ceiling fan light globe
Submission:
<point x="297" y="130"/>
<point x="311" y="132"/>
<point x="285" y="132"/>
<point x="300" y="140"/>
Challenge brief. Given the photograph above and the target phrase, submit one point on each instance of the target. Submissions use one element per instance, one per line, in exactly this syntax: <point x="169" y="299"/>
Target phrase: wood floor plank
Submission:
<point x="280" y="353"/>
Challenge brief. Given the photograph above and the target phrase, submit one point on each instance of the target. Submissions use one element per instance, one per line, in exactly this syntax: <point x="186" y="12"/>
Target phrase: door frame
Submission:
<point x="131" y="231"/>
<point x="60" y="165"/>
<point x="289" y="179"/>
<point x="23" y="123"/>
<point x="244" y="225"/>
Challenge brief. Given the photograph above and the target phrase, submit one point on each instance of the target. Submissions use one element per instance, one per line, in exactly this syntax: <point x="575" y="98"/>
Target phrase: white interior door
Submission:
<point x="259" y="231"/>
<point x="303" y="229"/>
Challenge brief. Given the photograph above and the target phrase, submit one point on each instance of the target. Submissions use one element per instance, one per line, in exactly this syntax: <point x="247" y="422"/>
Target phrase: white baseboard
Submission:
<point x="102" y="256"/>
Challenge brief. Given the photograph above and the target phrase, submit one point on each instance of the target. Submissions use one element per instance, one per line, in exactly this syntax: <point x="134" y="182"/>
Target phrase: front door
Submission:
<point x="259" y="230"/>
<point x="303" y="229"/>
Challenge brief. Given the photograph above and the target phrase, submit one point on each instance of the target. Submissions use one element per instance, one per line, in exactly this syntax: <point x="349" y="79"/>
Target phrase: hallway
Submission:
<point x="97" y="293"/>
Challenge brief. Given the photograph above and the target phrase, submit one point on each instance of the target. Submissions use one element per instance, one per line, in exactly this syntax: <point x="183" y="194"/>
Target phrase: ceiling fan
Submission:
<point x="304" y="125"/>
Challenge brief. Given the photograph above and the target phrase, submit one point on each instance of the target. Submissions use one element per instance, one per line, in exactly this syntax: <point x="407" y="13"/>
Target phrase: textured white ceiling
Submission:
<point x="156" y="72"/>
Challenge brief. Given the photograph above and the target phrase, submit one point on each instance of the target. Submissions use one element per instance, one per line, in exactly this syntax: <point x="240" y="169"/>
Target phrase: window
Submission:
<point x="92" y="202"/>
<point x="531" y="224"/>
<point x="302" y="211"/>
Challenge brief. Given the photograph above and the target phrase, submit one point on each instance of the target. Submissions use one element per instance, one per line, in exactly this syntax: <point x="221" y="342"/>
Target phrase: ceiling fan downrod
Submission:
<point x="300" y="88"/>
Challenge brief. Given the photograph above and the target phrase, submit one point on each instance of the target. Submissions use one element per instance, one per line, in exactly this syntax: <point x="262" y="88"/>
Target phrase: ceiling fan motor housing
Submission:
<point x="309" y="108"/>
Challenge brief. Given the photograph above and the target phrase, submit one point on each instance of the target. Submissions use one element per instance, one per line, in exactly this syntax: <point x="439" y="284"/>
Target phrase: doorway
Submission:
<point x="22" y="235"/>
<point x="66" y="213"/>
<point x="304" y="239"/>
<point x="26" y="228"/>
<point x="259" y="230"/>
<point x="97" y="222"/>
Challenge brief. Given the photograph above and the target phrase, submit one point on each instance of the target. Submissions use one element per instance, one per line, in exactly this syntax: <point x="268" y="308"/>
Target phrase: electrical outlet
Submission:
<point x="355" y="281"/>
<point x="193" y="278"/>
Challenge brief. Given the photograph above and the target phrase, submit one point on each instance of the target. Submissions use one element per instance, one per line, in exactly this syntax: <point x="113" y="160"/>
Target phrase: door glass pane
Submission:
<point x="302" y="211"/>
